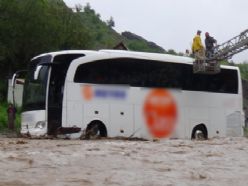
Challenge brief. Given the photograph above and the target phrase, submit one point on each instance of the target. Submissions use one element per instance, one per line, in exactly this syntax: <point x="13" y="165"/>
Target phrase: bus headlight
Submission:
<point x="40" y="124"/>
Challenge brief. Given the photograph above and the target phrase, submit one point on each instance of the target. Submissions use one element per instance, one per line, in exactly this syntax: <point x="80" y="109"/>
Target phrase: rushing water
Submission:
<point x="114" y="162"/>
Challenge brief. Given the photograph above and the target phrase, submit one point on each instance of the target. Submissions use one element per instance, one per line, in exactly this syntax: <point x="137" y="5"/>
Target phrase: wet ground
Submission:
<point x="115" y="162"/>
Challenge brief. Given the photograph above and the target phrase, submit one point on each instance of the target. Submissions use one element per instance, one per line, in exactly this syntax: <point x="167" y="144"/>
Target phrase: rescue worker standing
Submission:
<point x="197" y="47"/>
<point x="209" y="43"/>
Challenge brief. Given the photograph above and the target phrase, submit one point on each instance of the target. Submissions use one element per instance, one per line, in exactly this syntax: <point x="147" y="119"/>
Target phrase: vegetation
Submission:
<point x="4" y="117"/>
<point x="102" y="34"/>
<point x="243" y="70"/>
<point x="137" y="43"/>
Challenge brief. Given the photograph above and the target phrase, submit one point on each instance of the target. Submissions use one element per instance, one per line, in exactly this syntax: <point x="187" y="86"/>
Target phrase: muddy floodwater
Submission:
<point x="115" y="162"/>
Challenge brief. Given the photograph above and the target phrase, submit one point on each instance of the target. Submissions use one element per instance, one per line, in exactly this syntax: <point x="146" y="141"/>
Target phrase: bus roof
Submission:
<point x="132" y="54"/>
<point x="53" y="54"/>
<point x="159" y="57"/>
<point x="152" y="56"/>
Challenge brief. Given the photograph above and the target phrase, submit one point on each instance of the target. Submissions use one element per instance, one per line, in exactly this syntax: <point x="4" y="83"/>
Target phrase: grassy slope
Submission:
<point x="105" y="37"/>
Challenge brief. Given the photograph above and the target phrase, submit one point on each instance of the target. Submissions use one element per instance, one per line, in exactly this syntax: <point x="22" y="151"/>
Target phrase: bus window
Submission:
<point x="224" y="82"/>
<point x="155" y="74"/>
<point x="34" y="96"/>
<point x="133" y="72"/>
<point x="163" y="74"/>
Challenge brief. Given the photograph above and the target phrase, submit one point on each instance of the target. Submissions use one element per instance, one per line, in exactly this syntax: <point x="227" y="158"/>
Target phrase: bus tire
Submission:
<point x="96" y="129"/>
<point x="199" y="132"/>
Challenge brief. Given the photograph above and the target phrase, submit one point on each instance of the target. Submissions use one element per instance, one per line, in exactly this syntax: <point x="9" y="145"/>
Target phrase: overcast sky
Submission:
<point x="173" y="23"/>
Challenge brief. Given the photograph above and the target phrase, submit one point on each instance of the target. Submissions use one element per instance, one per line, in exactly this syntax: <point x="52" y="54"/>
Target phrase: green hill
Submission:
<point x="104" y="36"/>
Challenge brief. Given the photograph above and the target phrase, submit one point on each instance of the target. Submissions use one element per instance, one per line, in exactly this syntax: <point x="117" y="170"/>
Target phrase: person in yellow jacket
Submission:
<point x="197" y="47"/>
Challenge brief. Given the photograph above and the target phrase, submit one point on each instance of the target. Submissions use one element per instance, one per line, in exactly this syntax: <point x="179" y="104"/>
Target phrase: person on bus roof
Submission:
<point x="197" y="47"/>
<point x="209" y="43"/>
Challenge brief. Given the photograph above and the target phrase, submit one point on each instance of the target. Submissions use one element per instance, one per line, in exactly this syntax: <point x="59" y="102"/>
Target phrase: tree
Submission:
<point x="88" y="9"/>
<point x="243" y="70"/>
<point x="111" y="22"/>
<point x="78" y="7"/>
<point x="171" y="51"/>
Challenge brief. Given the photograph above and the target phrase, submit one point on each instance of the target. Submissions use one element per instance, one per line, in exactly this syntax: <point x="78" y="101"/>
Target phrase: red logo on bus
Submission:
<point x="87" y="92"/>
<point x="160" y="112"/>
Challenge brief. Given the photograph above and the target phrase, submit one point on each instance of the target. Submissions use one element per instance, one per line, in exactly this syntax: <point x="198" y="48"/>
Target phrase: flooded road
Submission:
<point x="114" y="162"/>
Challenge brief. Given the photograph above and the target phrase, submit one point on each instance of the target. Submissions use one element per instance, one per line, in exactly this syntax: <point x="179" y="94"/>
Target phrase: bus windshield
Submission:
<point x="34" y="95"/>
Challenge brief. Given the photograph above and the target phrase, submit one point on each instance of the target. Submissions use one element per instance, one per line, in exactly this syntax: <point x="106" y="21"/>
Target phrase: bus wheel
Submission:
<point x="199" y="132"/>
<point x="96" y="129"/>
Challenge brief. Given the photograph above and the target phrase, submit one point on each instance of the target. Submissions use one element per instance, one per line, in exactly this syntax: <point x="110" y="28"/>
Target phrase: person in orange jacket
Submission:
<point x="197" y="46"/>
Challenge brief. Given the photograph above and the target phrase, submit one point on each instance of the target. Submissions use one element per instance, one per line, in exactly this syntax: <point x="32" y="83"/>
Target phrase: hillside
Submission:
<point x="135" y="42"/>
<point x="104" y="36"/>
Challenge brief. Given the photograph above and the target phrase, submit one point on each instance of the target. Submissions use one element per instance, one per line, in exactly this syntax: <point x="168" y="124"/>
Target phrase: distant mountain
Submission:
<point x="136" y="42"/>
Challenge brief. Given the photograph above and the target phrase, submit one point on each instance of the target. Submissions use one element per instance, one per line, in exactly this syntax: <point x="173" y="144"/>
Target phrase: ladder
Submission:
<point x="211" y="64"/>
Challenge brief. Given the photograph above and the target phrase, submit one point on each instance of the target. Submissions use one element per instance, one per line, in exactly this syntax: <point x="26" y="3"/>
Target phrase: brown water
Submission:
<point x="108" y="162"/>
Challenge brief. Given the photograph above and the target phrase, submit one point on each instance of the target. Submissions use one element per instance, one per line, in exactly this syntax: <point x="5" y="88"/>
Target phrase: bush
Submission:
<point x="4" y="117"/>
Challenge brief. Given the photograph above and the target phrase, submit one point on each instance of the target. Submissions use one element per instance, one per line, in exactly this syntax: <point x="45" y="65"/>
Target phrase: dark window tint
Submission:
<point x="133" y="72"/>
<point x="147" y="73"/>
<point x="224" y="82"/>
<point x="34" y="94"/>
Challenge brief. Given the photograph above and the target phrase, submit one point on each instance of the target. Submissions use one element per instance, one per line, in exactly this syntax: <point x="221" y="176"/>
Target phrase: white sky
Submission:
<point x="173" y="23"/>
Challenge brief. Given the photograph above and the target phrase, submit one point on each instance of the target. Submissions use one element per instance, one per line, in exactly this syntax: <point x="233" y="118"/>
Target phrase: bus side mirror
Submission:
<point x="38" y="68"/>
<point x="13" y="83"/>
<point x="16" y="75"/>
<point x="37" y="72"/>
<point x="13" y="80"/>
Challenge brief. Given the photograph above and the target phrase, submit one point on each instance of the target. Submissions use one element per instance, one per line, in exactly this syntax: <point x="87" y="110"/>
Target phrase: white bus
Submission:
<point x="130" y="94"/>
